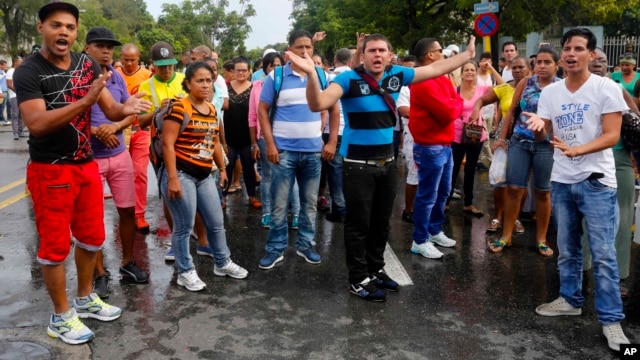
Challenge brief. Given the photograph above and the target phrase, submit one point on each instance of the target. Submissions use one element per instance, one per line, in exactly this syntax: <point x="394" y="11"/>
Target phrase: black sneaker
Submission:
<point x="101" y="286"/>
<point x="368" y="291"/>
<point x="407" y="216"/>
<point x="383" y="281"/>
<point x="333" y="217"/>
<point x="135" y="272"/>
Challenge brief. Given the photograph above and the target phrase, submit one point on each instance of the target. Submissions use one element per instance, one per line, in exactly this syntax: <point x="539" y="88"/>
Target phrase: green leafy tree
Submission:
<point x="206" y="22"/>
<point x="19" y="19"/>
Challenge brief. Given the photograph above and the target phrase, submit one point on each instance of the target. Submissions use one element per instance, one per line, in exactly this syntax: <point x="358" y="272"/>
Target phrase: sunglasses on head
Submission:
<point x="627" y="56"/>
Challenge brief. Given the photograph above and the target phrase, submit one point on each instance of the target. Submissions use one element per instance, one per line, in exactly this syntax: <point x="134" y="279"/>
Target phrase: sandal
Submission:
<point x="473" y="211"/>
<point x="544" y="250"/>
<point x="255" y="203"/>
<point x="498" y="245"/>
<point x="234" y="189"/>
<point x="494" y="225"/>
<point x="518" y="227"/>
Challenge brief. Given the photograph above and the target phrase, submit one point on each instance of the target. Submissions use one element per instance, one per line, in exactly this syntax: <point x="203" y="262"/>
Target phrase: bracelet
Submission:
<point x="254" y="147"/>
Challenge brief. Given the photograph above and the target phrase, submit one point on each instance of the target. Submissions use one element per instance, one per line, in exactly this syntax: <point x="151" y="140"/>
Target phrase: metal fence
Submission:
<point x="612" y="46"/>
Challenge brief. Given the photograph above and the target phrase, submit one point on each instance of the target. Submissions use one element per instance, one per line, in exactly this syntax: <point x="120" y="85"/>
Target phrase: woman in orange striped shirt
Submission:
<point x="185" y="179"/>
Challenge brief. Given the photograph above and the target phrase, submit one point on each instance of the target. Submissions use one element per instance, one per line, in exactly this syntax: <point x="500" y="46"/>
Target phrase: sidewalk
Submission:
<point x="8" y="145"/>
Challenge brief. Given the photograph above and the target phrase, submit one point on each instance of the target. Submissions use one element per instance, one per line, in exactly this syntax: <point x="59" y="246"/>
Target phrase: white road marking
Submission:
<point x="394" y="268"/>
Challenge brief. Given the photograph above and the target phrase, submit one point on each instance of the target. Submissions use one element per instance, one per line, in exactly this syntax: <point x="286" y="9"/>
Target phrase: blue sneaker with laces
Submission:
<point x="367" y="290"/>
<point x="310" y="255"/>
<point x="269" y="261"/>
<point x="266" y="221"/>
<point x="204" y="250"/>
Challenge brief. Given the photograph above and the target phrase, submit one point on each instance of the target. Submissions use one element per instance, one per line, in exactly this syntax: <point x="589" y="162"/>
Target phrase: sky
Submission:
<point x="270" y="25"/>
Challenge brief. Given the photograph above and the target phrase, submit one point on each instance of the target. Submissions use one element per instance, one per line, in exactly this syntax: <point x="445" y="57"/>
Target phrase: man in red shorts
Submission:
<point x="55" y="89"/>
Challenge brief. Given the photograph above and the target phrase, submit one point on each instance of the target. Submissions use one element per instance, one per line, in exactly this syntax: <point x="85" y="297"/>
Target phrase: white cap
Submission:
<point x="446" y="52"/>
<point x="454" y="48"/>
<point x="268" y="51"/>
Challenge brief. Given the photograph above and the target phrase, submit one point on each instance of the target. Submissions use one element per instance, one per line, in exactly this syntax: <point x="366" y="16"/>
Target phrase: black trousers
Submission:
<point x="369" y="192"/>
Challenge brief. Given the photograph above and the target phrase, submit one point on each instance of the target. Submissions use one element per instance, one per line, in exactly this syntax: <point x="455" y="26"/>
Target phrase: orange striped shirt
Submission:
<point x="194" y="147"/>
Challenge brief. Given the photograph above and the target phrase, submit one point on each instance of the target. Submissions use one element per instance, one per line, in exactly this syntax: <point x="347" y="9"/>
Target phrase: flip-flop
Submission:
<point x="473" y="211"/>
<point x="233" y="189"/>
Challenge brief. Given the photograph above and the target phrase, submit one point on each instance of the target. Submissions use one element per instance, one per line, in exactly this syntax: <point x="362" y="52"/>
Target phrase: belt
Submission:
<point x="377" y="162"/>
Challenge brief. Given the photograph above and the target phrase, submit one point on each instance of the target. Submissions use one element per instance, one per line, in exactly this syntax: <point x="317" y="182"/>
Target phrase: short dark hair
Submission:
<point x="296" y="34"/>
<point x="409" y="58"/>
<point x="509" y="43"/>
<point x="2" y="62"/>
<point x="422" y="47"/>
<point x="228" y="65"/>
<point x="191" y="70"/>
<point x="241" y="60"/>
<point x="549" y="50"/>
<point x="375" y="37"/>
<point x="485" y="55"/>
<point x="582" y="32"/>
<point x="270" y="58"/>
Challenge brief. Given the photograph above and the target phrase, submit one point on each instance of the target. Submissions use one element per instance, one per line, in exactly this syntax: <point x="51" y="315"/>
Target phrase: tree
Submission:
<point x="19" y="19"/>
<point x="206" y="22"/>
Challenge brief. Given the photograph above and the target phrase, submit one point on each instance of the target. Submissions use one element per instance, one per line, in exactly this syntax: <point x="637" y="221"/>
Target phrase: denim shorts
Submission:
<point x="525" y="155"/>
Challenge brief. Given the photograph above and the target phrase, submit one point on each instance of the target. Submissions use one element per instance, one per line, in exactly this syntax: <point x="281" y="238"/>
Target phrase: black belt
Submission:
<point x="377" y="162"/>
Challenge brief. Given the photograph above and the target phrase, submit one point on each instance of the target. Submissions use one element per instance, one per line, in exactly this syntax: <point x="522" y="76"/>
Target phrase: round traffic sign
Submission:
<point x="486" y="24"/>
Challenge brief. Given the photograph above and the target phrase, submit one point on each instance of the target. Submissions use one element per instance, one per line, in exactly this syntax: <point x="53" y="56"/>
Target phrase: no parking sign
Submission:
<point x="486" y="24"/>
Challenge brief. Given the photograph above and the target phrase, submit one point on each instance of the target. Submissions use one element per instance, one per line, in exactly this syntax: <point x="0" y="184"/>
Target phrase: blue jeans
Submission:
<point x="265" y="184"/>
<point x="334" y="178"/>
<point x="305" y="168"/>
<point x="596" y="203"/>
<point x="435" y="165"/>
<point x="200" y="196"/>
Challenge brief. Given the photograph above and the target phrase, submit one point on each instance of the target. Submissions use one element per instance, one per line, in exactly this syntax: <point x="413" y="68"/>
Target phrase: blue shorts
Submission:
<point x="525" y="155"/>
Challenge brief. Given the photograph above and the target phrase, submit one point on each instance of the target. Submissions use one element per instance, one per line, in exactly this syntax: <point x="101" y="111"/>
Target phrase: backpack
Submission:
<point x="278" y="75"/>
<point x="155" y="148"/>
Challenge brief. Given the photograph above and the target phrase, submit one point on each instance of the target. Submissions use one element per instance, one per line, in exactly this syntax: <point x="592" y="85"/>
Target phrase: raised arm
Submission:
<point x="441" y="67"/>
<point x="318" y="99"/>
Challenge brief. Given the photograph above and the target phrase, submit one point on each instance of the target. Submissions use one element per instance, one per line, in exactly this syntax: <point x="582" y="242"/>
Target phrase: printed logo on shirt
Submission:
<point x="364" y="88"/>
<point x="394" y="83"/>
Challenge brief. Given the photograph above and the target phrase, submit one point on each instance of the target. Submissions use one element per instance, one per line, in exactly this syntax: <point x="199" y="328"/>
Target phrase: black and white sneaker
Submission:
<point x="383" y="281"/>
<point x="101" y="285"/>
<point x="367" y="290"/>
<point x="135" y="272"/>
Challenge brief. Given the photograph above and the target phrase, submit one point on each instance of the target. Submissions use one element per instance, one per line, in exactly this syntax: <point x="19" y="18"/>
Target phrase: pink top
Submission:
<point x="254" y="100"/>
<point x="467" y="109"/>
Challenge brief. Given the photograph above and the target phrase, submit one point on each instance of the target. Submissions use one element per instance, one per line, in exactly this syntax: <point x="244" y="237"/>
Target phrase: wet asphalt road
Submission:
<point x="469" y="305"/>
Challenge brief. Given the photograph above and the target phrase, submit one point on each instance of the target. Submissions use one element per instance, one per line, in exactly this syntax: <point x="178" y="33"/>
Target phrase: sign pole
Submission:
<point x="487" y="43"/>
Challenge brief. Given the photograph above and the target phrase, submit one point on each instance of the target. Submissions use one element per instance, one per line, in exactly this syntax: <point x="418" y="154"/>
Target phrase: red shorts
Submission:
<point x="67" y="200"/>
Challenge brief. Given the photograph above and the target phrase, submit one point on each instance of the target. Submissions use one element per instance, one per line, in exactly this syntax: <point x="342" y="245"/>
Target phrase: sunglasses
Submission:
<point x="436" y="50"/>
<point x="626" y="57"/>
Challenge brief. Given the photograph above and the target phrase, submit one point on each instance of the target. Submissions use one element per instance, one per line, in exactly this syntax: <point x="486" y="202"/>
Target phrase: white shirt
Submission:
<point x="12" y="93"/>
<point x="577" y="120"/>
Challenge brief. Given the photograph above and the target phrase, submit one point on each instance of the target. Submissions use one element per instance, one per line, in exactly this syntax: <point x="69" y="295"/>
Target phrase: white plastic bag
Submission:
<point x="498" y="169"/>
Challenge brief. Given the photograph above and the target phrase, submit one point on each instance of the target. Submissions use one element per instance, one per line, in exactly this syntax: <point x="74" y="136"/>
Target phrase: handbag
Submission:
<point x="471" y="133"/>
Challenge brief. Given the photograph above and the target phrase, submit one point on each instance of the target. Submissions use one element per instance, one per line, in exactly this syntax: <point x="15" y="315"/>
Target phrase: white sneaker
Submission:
<point x="558" y="307"/>
<point x="615" y="336"/>
<point x="191" y="281"/>
<point x="442" y="240"/>
<point x="427" y="250"/>
<point x="231" y="269"/>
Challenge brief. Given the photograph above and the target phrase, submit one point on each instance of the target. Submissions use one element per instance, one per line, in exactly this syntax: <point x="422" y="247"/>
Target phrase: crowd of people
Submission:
<point x="297" y="124"/>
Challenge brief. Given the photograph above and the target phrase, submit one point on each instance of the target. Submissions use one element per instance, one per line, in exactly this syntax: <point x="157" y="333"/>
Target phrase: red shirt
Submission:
<point x="434" y="106"/>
